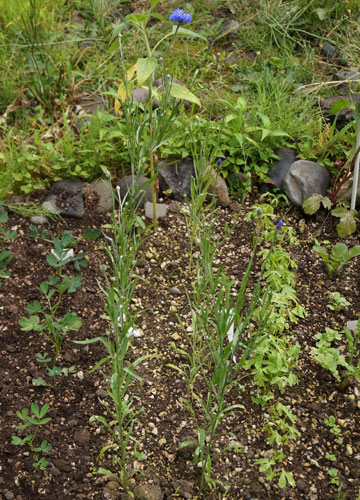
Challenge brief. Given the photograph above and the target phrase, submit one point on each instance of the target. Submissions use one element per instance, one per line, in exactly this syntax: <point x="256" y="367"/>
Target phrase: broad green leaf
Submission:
<point x="354" y="251"/>
<point x="322" y="13"/>
<point x="145" y="66"/>
<point x="158" y="16"/>
<point x="312" y="204"/>
<point x="346" y="226"/>
<point x="184" y="31"/>
<point x="339" y="105"/>
<point x="154" y="3"/>
<point x="181" y="92"/>
<point x="282" y="480"/>
<point x="28" y="324"/>
<point x="91" y="234"/>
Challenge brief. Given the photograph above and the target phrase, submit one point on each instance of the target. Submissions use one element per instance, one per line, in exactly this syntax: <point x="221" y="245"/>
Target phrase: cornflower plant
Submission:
<point x="121" y="247"/>
<point x="147" y="128"/>
<point x="221" y="339"/>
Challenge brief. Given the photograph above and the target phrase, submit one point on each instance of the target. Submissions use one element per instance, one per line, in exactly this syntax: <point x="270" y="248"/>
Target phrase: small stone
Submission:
<point x="9" y="495"/>
<point x="184" y="488"/>
<point x="174" y="291"/>
<point x="82" y="437"/>
<point x="349" y="450"/>
<point x="80" y="375"/>
<point x="175" y="336"/>
<point x="148" y="491"/>
<point x="38" y="219"/>
<point x="161" y="210"/>
<point x="327" y="49"/>
<point x="111" y="491"/>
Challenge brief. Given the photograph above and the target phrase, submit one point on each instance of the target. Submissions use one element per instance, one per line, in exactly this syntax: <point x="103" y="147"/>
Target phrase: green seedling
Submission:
<point x="43" y="317"/>
<point x="63" y="253"/>
<point x="5" y="257"/>
<point x="330" y="358"/>
<point x="334" y="428"/>
<point x="52" y="371"/>
<point x="337" y="301"/>
<point x="35" y="421"/>
<point x="337" y="257"/>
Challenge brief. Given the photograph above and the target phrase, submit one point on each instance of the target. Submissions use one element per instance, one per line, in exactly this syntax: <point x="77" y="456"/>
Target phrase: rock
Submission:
<point x="327" y="49"/>
<point x="229" y="26"/>
<point x="280" y="168"/>
<point x="347" y="77"/>
<point x="345" y="193"/>
<point x="111" y="491"/>
<point x="82" y="437"/>
<point x="141" y="95"/>
<point x="161" y="210"/>
<point x="103" y="190"/>
<point x="175" y="175"/>
<point x="38" y="219"/>
<point x="304" y="179"/>
<point x="89" y="105"/>
<point x="175" y="291"/>
<point x="143" y="195"/>
<point x="352" y="325"/>
<point x="183" y="488"/>
<point x="345" y="115"/>
<point x="218" y="188"/>
<point x="66" y="198"/>
<point x="187" y="453"/>
<point x="148" y="491"/>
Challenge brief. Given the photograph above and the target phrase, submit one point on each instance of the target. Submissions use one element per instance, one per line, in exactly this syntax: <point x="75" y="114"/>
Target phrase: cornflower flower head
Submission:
<point x="259" y="212"/>
<point x="219" y="161"/>
<point x="179" y="16"/>
<point x="279" y="225"/>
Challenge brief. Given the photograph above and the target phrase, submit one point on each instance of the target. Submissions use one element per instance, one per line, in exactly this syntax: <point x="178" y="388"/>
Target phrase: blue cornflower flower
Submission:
<point x="280" y="224"/>
<point x="211" y="40"/>
<point x="179" y="16"/>
<point x="259" y="212"/>
<point x="219" y="161"/>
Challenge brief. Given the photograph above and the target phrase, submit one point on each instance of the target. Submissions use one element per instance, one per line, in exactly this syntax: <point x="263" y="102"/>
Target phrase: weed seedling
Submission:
<point x="336" y="257"/>
<point x="35" y="421"/>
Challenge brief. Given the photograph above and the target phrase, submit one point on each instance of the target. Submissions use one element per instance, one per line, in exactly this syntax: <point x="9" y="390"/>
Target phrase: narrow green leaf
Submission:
<point x="181" y="92"/>
<point x="339" y="105"/>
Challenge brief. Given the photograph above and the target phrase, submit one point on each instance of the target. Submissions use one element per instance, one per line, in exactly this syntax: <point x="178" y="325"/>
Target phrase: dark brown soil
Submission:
<point x="164" y="424"/>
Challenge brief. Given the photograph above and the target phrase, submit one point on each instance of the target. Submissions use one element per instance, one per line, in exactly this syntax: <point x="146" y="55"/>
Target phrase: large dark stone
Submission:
<point x="66" y="198"/>
<point x="144" y="189"/>
<point x="280" y="168"/>
<point x="304" y="179"/>
<point x="176" y="175"/>
<point x="344" y="116"/>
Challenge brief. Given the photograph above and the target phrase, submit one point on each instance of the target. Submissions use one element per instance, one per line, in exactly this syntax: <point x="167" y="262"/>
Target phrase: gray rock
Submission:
<point x="344" y="116"/>
<point x="148" y="491"/>
<point x="66" y="198"/>
<point x="161" y="210"/>
<point x="229" y="26"/>
<point x="89" y="105"/>
<point x="144" y="191"/>
<point x="304" y="179"/>
<point x="218" y="188"/>
<point x="141" y="95"/>
<point x="346" y="77"/>
<point x="38" y="219"/>
<point x="345" y="193"/>
<point x="280" y="168"/>
<point x="103" y="190"/>
<point x="327" y="49"/>
<point x="175" y="175"/>
<point x="352" y="325"/>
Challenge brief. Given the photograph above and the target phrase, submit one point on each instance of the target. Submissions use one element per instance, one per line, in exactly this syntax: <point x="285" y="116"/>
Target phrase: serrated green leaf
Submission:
<point x="346" y="226"/>
<point x="181" y="92"/>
